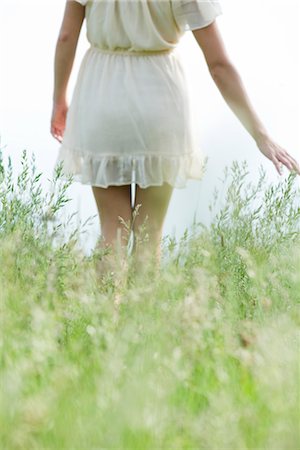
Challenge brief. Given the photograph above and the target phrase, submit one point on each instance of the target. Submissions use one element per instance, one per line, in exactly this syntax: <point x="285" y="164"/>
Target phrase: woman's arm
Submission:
<point x="66" y="47"/>
<point x="230" y="85"/>
<point x="64" y="58"/>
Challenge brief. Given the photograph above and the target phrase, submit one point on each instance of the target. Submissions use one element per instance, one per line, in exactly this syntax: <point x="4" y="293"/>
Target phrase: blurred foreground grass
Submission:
<point x="203" y="356"/>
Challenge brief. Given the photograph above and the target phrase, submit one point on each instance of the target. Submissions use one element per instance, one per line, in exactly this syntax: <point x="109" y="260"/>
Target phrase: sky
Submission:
<point x="262" y="40"/>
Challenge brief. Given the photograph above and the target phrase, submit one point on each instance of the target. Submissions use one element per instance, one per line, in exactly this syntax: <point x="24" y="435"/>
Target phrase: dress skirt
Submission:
<point x="130" y="120"/>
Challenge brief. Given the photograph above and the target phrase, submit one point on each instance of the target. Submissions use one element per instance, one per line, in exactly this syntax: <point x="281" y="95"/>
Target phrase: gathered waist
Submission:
<point x="131" y="52"/>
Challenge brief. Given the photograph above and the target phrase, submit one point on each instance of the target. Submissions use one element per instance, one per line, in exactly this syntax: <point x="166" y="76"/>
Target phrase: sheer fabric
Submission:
<point x="130" y="118"/>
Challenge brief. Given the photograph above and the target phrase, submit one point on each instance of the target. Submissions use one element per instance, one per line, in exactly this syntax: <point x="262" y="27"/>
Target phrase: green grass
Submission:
<point x="204" y="356"/>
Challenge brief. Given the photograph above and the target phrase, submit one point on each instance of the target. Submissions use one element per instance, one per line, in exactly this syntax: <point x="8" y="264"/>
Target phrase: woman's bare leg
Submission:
<point x="112" y="202"/>
<point x="154" y="202"/>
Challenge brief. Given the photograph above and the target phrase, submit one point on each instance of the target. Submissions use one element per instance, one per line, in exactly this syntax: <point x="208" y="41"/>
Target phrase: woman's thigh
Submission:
<point x="113" y="202"/>
<point x="154" y="202"/>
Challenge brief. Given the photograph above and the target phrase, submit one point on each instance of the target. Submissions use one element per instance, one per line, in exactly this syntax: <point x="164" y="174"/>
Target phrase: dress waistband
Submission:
<point x="132" y="52"/>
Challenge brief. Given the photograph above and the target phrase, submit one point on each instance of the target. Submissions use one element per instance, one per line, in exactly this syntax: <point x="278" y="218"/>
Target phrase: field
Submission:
<point x="201" y="354"/>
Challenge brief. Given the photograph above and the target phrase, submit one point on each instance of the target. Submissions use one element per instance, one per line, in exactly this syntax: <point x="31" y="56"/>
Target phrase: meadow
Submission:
<point x="200" y="354"/>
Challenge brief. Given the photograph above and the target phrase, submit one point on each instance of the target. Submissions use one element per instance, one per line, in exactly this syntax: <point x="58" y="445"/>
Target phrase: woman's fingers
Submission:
<point x="286" y="159"/>
<point x="289" y="162"/>
<point x="292" y="161"/>
<point x="58" y="120"/>
<point x="278" y="155"/>
<point x="296" y="165"/>
<point x="277" y="165"/>
<point x="56" y="133"/>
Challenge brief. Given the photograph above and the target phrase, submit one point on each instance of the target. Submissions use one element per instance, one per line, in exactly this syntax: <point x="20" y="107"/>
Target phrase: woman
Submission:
<point x="130" y="112"/>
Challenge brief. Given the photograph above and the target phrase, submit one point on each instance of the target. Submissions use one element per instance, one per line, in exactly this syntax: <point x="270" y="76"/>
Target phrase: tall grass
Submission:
<point x="203" y="354"/>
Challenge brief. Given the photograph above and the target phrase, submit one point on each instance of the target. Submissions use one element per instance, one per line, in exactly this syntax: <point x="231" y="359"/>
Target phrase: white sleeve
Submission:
<point x="82" y="2"/>
<point x="194" y="14"/>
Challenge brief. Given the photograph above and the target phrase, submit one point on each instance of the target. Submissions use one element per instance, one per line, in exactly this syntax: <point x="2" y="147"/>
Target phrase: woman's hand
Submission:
<point x="58" y="120"/>
<point x="277" y="155"/>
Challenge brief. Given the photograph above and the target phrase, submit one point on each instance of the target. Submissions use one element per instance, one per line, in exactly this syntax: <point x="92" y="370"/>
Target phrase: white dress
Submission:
<point x="130" y="117"/>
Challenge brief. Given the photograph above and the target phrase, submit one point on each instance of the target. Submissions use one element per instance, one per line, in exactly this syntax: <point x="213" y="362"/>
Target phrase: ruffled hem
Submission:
<point x="146" y="170"/>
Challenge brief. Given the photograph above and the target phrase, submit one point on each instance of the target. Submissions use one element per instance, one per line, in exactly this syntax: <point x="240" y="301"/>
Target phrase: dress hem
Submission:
<point x="145" y="170"/>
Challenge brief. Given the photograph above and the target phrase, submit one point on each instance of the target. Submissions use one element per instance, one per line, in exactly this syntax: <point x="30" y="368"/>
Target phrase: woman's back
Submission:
<point x="145" y="25"/>
<point x="133" y="25"/>
<point x="131" y="111"/>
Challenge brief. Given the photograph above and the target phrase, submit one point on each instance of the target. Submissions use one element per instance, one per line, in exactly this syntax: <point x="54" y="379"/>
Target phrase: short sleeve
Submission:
<point x="82" y="2"/>
<point x="194" y="14"/>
